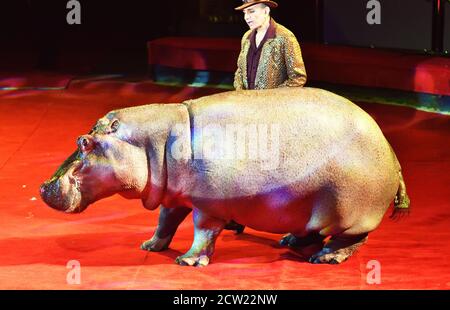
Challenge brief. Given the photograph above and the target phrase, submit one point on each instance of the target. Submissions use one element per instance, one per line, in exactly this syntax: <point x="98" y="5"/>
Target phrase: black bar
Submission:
<point x="168" y="299"/>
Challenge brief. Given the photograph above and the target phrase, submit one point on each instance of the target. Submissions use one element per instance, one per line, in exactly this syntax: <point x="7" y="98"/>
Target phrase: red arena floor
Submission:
<point x="38" y="129"/>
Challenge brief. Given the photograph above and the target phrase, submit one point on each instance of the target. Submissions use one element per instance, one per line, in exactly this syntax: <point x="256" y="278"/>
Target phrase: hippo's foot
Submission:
<point x="232" y="225"/>
<point x="206" y="230"/>
<point x="297" y="242"/>
<point x="338" y="250"/>
<point x="156" y="244"/>
<point x="192" y="260"/>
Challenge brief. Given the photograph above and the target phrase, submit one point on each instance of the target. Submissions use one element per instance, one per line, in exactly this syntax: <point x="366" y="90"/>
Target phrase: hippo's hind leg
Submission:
<point x="297" y="241"/>
<point x="169" y="220"/>
<point x="206" y="231"/>
<point x="338" y="249"/>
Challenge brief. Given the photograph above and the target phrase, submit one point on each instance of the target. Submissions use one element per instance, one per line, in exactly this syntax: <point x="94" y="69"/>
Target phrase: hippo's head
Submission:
<point x="106" y="162"/>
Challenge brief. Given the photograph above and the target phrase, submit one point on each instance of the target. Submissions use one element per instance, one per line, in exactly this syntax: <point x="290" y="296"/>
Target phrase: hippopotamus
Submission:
<point x="304" y="163"/>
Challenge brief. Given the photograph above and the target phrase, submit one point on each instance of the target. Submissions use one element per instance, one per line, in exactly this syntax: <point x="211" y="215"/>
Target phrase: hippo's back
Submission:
<point x="297" y="104"/>
<point x="312" y="119"/>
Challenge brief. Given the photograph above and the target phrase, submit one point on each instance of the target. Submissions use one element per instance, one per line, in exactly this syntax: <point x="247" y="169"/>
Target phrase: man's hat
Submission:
<point x="248" y="3"/>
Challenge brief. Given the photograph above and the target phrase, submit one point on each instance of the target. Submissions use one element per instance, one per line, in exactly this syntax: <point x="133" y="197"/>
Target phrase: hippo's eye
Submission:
<point x="115" y="126"/>
<point x="84" y="142"/>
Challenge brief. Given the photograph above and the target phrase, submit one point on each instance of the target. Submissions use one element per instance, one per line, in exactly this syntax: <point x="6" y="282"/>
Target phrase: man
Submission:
<point x="270" y="57"/>
<point x="270" y="54"/>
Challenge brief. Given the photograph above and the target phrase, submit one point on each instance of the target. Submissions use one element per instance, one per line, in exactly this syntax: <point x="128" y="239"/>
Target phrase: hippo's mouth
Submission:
<point x="64" y="191"/>
<point x="73" y="174"/>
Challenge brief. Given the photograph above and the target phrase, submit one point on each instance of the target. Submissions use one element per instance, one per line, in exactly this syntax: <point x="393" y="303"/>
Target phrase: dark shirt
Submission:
<point x="254" y="53"/>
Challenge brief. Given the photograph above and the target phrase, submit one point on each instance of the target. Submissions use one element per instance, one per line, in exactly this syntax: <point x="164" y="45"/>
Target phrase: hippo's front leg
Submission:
<point x="169" y="220"/>
<point x="206" y="231"/>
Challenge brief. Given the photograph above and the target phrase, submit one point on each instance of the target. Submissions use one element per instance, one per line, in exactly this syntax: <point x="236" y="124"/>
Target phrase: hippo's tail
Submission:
<point x="401" y="201"/>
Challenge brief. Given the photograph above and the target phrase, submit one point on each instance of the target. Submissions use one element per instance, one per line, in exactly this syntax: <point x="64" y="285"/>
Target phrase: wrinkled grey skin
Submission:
<point x="332" y="172"/>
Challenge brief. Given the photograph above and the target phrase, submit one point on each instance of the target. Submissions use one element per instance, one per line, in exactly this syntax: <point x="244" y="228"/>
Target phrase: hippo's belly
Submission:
<point x="277" y="212"/>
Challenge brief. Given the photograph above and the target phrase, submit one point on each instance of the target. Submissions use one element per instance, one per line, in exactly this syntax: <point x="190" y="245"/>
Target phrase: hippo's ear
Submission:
<point x="105" y="127"/>
<point x="114" y="125"/>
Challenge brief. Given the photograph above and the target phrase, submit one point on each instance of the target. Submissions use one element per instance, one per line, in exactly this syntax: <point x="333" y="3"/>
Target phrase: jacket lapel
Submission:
<point x="246" y="48"/>
<point x="266" y="52"/>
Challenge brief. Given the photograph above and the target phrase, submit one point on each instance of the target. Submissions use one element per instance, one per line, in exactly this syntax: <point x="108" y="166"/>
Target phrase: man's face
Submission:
<point x="256" y="15"/>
